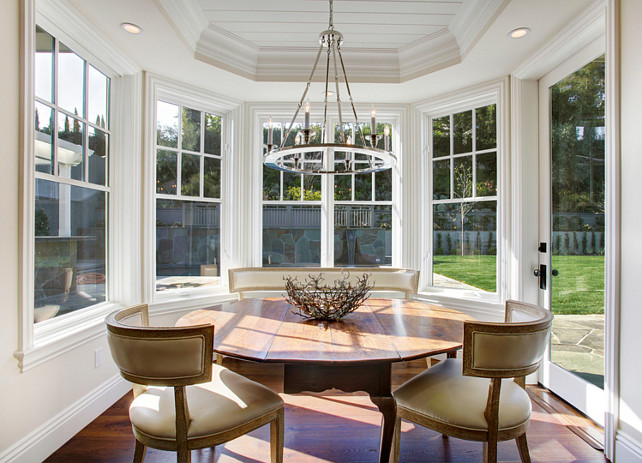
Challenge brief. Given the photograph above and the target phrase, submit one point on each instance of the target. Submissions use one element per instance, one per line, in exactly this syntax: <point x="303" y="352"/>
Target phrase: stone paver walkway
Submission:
<point x="577" y="344"/>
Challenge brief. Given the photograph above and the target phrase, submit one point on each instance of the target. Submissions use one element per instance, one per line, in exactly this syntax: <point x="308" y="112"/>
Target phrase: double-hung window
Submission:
<point x="341" y="220"/>
<point x="463" y="160"/>
<point x="72" y="185"/>
<point x="188" y="162"/>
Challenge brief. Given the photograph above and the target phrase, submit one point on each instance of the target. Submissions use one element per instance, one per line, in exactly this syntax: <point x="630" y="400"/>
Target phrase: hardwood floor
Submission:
<point x="332" y="427"/>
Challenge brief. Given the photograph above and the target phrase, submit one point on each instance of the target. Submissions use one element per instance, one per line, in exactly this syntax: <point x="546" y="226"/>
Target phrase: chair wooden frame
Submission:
<point x="182" y="445"/>
<point x="490" y="437"/>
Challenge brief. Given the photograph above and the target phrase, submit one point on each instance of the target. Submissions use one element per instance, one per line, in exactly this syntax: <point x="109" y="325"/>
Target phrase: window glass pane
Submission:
<point x="44" y="65"/>
<point x="343" y="187"/>
<point x="187" y="244"/>
<point x="212" y="134"/>
<point x="291" y="236"/>
<point x="166" y="166"/>
<point x="486" y="174"/>
<point x="296" y="127"/>
<point x="190" y="174"/>
<point x="441" y="136"/>
<point x="463" y="177"/>
<point x="464" y="245"/>
<point x="383" y="185"/>
<point x="167" y="124"/>
<point x="271" y="183"/>
<point x="486" y="122"/>
<point x="363" y="187"/>
<point x="212" y="177"/>
<point x="98" y="98"/>
<point x="291" y="187"/>
<point x="71" y="81"/>
<point x="70" y="249"/>
<point x="98" y="156"/>
<point x="463" y="132"/>
<point x="362" y="236"/>
<point x="43" y="144"/>
<point x="71" y="149"/>
<point x="312" y="188"/>
<point x="191" y="130"/>
<point x="441" y="179"/>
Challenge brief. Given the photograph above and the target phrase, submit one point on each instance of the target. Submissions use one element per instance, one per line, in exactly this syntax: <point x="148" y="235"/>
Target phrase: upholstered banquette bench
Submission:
<point x="263" y="279"/>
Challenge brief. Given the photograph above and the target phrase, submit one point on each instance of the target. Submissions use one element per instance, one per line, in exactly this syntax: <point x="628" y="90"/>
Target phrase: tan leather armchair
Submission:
<point x="182" y="401"/>
<point x="467" y="398"/>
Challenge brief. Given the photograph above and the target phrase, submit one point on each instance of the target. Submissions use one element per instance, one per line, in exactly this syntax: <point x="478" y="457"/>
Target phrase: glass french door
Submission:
<point x="572" y="229"/>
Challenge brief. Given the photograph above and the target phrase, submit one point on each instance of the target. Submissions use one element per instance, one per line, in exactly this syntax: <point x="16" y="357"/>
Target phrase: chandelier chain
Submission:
<point x="318" y="157"/>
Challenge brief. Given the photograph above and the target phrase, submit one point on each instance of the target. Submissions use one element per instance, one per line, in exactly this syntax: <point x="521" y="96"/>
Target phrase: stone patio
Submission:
<point x="577" y="344"/>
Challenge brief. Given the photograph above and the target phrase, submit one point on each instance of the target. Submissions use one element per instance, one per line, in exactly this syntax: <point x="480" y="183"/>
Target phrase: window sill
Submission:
<point x="54" y="337"/>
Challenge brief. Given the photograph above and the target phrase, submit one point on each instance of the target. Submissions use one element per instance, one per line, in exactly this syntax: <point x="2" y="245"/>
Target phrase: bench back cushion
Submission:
<point x="271" y="278"/>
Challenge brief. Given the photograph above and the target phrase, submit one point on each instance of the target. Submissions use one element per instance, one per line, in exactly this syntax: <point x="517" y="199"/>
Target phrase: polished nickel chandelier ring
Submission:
<point x="343" y="157"/>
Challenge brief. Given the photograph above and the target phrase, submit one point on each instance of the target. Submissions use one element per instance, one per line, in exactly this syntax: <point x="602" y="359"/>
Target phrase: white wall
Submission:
<point x="53" y="390"/>
<point x="631" y="289"/>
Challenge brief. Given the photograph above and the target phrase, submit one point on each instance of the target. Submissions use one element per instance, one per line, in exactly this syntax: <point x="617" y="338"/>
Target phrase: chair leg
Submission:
<point x="219" y="359"/>
<point x="522" y="446"/>
<point x="184" y="456"/>
<point x="396" y="441"/>
<point x="139" y="452"/>
<point x="277" y="437"/>
<point x="490" y="452"/>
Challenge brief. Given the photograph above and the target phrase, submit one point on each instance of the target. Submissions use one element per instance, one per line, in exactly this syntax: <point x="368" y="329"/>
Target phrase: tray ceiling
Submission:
<point x="384" y="40"/>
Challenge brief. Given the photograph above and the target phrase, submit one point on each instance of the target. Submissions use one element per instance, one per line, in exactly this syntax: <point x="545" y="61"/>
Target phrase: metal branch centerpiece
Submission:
<point x="315" y="299"/>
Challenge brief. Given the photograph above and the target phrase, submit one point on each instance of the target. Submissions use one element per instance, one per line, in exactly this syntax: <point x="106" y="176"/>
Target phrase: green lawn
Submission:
<point x="477" y="271"/>
<point x="578" y="289"/>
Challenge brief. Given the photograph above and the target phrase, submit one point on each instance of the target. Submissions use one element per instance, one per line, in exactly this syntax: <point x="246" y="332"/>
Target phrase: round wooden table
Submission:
<point x="354" y="354"/>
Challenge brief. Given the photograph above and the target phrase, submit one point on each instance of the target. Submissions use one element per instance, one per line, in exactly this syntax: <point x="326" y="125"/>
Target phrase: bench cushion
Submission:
<point x="271" y="278"/>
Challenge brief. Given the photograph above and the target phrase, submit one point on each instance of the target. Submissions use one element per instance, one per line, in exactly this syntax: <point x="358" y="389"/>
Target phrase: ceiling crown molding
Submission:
<point x="187" y="18"/>
<point x="223" y="49"/>
<point x="473" y="19"/>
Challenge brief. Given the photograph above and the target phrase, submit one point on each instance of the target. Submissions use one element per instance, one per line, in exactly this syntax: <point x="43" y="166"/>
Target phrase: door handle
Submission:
<point x="541" y="274"/>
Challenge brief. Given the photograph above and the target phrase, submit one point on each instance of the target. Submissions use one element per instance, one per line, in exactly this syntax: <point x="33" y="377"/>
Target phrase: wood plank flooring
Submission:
<point x="330" y="427"/>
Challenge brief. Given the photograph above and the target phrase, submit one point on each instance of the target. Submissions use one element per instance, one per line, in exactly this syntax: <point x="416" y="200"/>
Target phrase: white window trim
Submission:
<point x="38" y="343"/>
<point x="494" y="92"/>
<point x="161" y="88"/>
<point x="253" y="220"/>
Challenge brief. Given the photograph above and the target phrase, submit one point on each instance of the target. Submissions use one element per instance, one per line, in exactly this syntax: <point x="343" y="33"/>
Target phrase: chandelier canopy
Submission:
<point x="360" y="155"/>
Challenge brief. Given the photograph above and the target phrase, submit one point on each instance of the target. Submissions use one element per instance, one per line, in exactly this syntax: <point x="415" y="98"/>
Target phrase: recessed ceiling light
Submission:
<point x="519" y="32"/>
<point x="131" y="28"/>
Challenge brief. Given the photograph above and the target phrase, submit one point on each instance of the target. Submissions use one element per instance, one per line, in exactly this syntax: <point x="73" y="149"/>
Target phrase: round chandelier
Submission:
<point x="360" y="155"/>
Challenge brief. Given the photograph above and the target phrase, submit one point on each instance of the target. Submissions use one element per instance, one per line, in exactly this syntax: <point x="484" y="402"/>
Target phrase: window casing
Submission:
<point x="343" y="220"/>
<point x="190" y="153"/>
<point x="71" y="168"/>
<point x="465" y="168"/>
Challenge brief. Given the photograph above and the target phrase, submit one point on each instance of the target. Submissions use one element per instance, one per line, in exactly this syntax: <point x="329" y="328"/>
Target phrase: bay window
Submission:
<point x="72" y="185"/>
<point x="464" y="154"/>
<point x="354" y="209"/>
<point x="188" y="162"/>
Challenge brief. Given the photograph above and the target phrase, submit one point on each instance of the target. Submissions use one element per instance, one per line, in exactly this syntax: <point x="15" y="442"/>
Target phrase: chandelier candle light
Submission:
<point x="324" y="157"/>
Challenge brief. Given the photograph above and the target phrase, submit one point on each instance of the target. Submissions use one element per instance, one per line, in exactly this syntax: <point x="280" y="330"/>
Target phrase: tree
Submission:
<point x="463" y="178"/>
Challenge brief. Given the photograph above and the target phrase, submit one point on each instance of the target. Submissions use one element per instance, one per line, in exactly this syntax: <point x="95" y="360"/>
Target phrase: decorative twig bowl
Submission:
<point x="315" y="299"/>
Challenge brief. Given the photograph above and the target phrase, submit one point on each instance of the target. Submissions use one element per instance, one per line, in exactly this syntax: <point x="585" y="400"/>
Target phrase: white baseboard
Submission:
<point x="627" y="449"/>
<point x="51" y="435"/>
